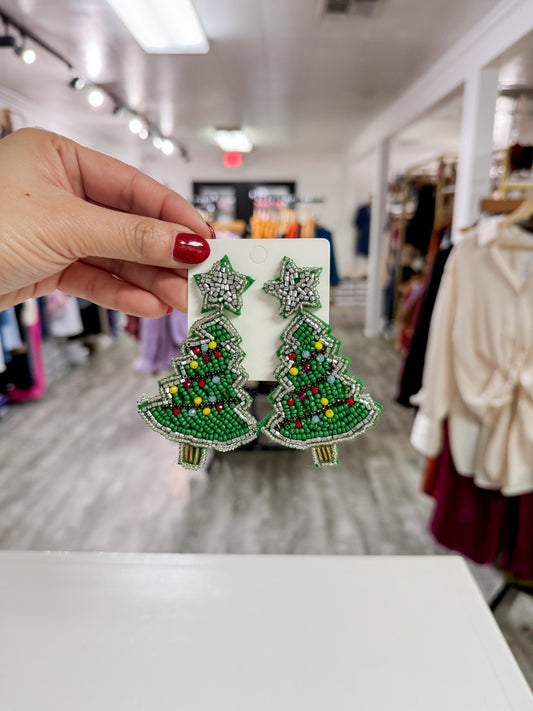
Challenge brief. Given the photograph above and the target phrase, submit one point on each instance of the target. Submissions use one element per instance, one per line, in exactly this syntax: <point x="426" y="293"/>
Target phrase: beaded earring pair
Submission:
<point x="204" y="404"/>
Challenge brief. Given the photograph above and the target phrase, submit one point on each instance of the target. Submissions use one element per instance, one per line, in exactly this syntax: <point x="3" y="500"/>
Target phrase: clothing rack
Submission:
<point x="438" y="171"/>
<point x="499" y="206"/>
<point x="509" y="591"/>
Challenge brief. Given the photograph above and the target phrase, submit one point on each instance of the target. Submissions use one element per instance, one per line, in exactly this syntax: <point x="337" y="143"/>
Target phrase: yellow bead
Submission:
<point x="173" y="389"/>
<point x="212" y="345"/>
<point x="293" y="371"/>
<point x="194" y="364"/>
<point x="324" y="401"/>
<point x="197" y="400"/>
<point x="329" y="413"/>
<point x="206" y="411"/>
<point x="319" y="345"/>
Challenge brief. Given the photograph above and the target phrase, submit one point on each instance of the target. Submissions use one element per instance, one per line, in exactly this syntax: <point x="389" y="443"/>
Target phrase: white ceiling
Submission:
<point x="297" y="81"/>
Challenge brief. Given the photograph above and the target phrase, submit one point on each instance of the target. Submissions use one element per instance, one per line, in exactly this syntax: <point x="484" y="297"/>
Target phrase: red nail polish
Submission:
<point x="190" y="248"/>
<point x="213" y="233"/>
<point x="169" y="310"/>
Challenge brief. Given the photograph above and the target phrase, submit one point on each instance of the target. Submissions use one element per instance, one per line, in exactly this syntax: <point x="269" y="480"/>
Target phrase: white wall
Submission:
<point x="315" y="176"/>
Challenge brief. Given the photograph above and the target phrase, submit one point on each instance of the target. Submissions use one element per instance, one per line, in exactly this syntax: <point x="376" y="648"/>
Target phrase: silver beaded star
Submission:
<point x="295" y="288"/>
<point x="222" y="287"/>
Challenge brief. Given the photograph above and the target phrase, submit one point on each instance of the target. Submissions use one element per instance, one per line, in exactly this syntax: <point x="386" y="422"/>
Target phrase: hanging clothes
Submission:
<point x="9" y="334"/>
<point x="411" y="376"/>
<point x="63" y="315"/>
<point x="31" y="381"/>
<point x="362" y="226"/>
<point x="160" y="341"/>
<point x="479" y="364"/>
<point x="323" y="233"/>
<point x="420" y="226"/>
<point x="482" y="524"/>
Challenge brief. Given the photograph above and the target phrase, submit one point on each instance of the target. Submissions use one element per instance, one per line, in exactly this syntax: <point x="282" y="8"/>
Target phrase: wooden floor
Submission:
<point x="79" y="470"/>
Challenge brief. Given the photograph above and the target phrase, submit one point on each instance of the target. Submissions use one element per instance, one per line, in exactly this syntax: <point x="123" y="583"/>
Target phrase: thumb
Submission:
<point x="134" y="238"/>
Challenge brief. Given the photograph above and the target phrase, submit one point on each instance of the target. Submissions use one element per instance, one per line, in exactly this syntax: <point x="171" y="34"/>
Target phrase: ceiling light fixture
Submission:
<point x="168" y="147"/>
<point x="27" y="54"/>
<point x="233" y="140"/>
<point x="95" y="98"/>
<point x="163" y="26"/>
<point x="96" y="94"/>
<point x="135" y="125"/>
<point x="77" y="83"/>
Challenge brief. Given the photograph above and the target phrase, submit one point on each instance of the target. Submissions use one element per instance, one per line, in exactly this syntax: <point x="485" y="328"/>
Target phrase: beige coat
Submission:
<point x="478" y="371"/>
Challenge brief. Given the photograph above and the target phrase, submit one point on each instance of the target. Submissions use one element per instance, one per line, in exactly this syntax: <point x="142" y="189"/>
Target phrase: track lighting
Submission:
<point x="135" y="125"/>
<point x="7" y="41"/>
<point x="168" y="147"/>
<point x="27" y="55"/>
<point x="96" y="94"/>
<point x="96" y="98"/>
<point x="77" y="83"/>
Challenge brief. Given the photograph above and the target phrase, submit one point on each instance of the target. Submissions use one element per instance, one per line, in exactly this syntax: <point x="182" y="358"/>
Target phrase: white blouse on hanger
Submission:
<point x="478" y="372"/>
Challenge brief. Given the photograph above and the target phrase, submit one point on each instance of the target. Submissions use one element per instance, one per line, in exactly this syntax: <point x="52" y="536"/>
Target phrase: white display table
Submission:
<point x="115" y="632"/>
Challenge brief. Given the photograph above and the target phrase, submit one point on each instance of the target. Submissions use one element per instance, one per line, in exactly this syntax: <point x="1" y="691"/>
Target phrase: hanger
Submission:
<point x="522" y="213"/>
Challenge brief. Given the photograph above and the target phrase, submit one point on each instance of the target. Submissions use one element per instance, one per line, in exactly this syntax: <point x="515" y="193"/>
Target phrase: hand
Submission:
<point x="87" y="224"/>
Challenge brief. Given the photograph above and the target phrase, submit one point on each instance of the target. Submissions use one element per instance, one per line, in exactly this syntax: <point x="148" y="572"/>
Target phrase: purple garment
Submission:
<point x="160" y="341"/>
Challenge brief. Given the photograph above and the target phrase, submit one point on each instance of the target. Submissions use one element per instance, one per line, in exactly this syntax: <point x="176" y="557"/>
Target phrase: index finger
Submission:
<point x="115" y="184"/>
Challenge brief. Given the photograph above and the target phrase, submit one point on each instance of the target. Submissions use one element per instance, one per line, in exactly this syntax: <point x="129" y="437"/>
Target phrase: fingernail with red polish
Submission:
<point x="213" y="233"/>
<point x="169" y="310"/>
<point x="190" y="248"/>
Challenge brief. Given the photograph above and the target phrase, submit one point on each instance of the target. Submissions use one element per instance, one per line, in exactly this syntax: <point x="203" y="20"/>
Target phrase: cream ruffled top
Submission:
<point x="478" y="372"/>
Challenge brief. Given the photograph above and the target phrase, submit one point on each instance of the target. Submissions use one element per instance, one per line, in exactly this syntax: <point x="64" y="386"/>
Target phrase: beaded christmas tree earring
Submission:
<point x="203" y="403"/>
<point x="316" y="403"/>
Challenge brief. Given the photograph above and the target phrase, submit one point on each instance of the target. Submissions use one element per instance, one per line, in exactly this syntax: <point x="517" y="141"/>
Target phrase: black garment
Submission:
<point x="521" y="157"/>
<point x="19" y="371"/>
<point x="420" y="226"/>
<point x="362" y="224"/>
<point x="411" y="378"/>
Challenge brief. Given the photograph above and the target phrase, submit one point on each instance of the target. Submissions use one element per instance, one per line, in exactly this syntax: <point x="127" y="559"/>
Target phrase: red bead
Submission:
<point x="298" y="424"/>
<point x="290" y="401"/>
<point x="187" y="385"/>
<point x="196" y="350"/>
<point x="219" y="407"/>
<point x="206" y="359"/>
<point x="176" y="411"/>
<point x="292" y="356"/>
<point x="350" y="401"/>
<point x="314" y="390"/>
<point x="201" y="383"/>
<point x="218" y="354"/>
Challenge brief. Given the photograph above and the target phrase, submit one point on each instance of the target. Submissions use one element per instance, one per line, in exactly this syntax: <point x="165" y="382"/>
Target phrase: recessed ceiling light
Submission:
<point x="143" y="133"/>
<point x="163" y="26"/>
<point x="233" y="140"/>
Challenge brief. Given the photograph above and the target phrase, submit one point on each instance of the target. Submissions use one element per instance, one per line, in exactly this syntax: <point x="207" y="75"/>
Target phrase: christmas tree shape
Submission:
<point x="203" y="403"/>
<point x="317" y="403"/>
